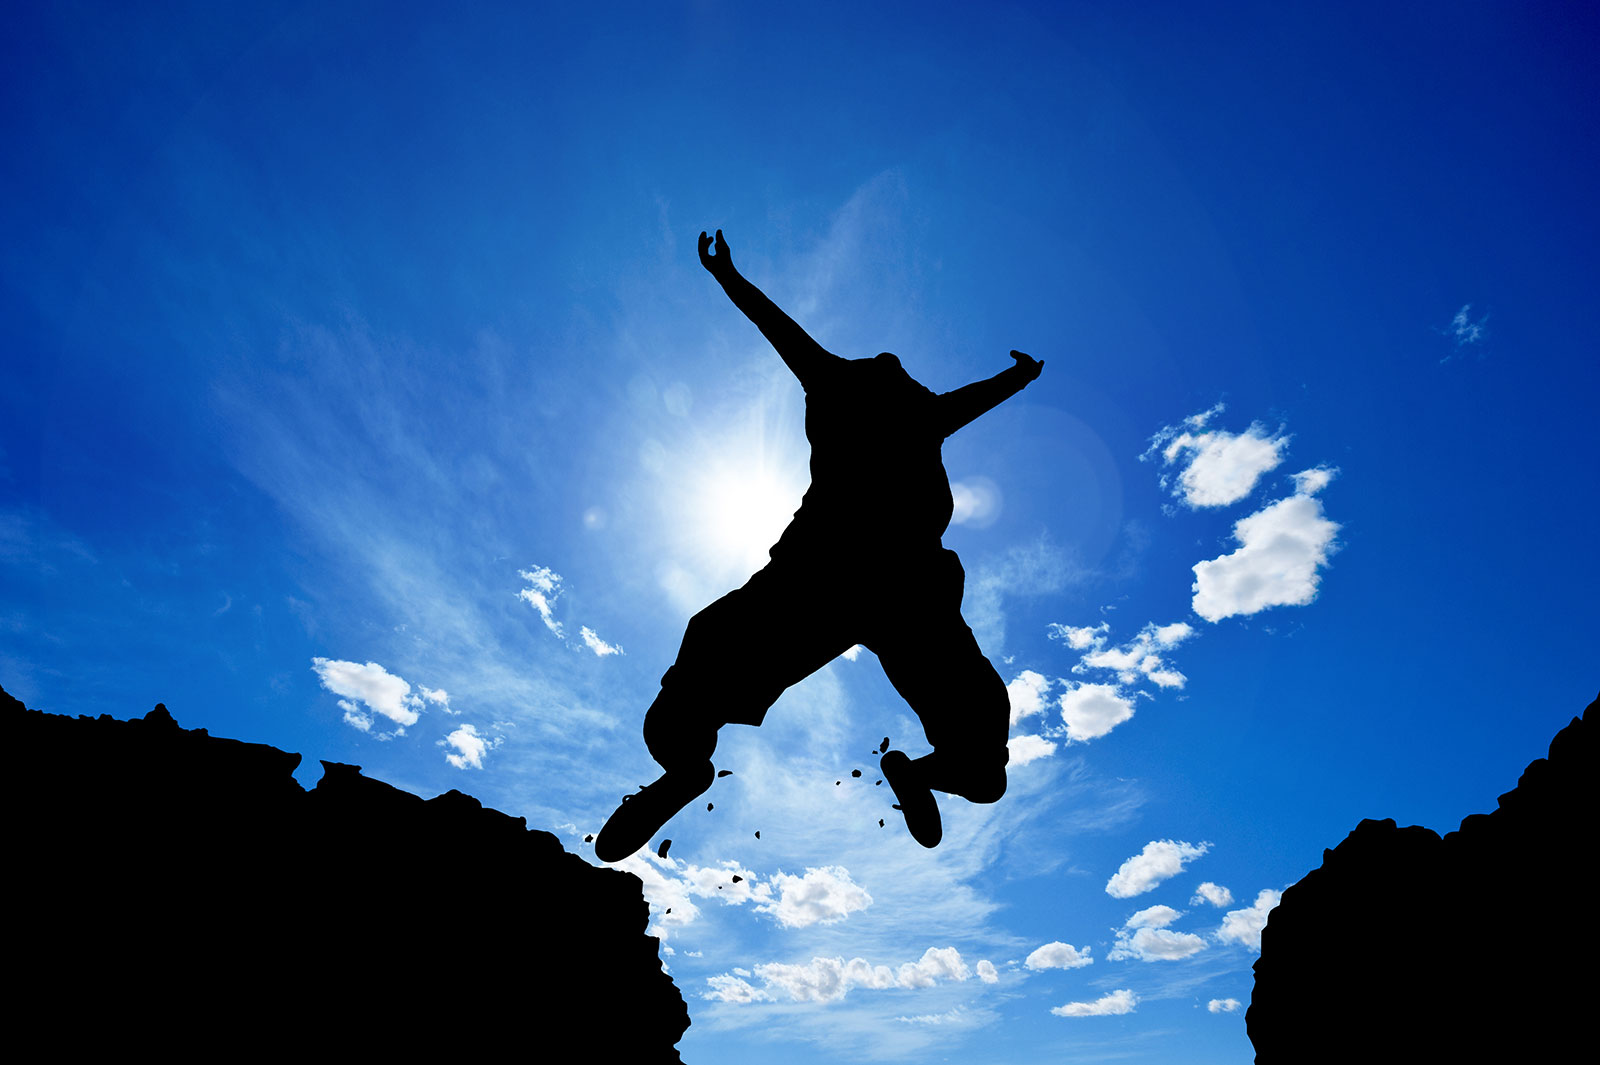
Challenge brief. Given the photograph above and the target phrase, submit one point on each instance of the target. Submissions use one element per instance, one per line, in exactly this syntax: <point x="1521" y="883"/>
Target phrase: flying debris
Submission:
<point x="661" y="851"/>
<point x="710" y="805"/>
<point x="758" y="835"/>
<point x="884" y="746"/>
<point x="880" y="825"/>
<point x="876" y="783"/>
<point x="589" y="838"/>
<point x="724" y="772"/>
<point x="669" y="908"/>
<point x="855" y="772"/>
<point x="836" y="783"/>
<point x="737" y="879"/>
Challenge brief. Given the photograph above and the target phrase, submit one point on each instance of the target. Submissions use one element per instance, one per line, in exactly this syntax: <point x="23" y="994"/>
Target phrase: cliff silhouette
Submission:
<point x="183" y="894"/>
<point x="1407" y="947"/>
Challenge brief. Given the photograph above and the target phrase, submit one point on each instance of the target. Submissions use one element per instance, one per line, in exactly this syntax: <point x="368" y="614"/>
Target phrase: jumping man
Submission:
<point x="861" y="562"/>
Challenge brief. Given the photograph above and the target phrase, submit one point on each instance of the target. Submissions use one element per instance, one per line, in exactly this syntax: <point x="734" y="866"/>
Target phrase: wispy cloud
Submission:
<point x="1465" y="331"/>
<point x="828" y="980"/>
<point x="1224" y="1005"/>
<point x="544" y="588"/>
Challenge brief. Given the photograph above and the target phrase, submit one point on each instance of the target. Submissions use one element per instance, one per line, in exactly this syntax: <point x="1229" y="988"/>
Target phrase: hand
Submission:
<point x="1030" y="365"/>
<point x="723" y="262"/>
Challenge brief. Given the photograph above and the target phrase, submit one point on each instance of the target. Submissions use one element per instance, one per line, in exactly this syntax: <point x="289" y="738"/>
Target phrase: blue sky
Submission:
<point x="364" y="396"/>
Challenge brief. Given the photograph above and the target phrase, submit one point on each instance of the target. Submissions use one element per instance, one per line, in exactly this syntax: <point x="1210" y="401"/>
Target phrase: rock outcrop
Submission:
<point x="182" y="895"/>
<point x="1407" y="947"/>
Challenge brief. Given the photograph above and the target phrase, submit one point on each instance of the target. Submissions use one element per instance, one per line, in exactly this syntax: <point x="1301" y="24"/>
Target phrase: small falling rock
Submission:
<point x="884" y="746"/>
<point x="876" y="784"/>
<point x="737" y="879"/>
<point x="724" y="772"/>
<point x="880" y="825"/>
<point x="836" y="783"/>
<point x="661" y="851"/>
<point x="710" y="806"/>
<point x="758" y="835"/>
<point x="855" y="772"/>
<point x="589" y="838"/>
<point x="669" y="908"/>
<point x="897" y="806"/>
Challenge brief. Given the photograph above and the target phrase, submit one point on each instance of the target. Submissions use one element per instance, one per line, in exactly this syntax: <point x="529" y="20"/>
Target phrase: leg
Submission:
<point x="935" y="663"/>
<point x="737" y="657"/>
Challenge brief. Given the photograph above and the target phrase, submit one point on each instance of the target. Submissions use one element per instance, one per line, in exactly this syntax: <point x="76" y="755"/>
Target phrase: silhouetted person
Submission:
<point x="861" y="562"/>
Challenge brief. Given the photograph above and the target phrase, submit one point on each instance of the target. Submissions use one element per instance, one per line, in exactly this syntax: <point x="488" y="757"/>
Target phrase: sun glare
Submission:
<point x="740" y="511"/>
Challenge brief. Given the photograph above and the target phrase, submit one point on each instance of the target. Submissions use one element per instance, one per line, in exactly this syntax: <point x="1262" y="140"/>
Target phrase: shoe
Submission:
<point x="640" y="816"/>
<point x="916" y="801"/>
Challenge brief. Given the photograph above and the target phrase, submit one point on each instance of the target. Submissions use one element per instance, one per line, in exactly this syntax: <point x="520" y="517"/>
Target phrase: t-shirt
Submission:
<point x="878" y="482"/>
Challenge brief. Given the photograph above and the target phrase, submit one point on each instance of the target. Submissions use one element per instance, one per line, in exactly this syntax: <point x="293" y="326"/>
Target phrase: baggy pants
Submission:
<point x="793" y="617"/>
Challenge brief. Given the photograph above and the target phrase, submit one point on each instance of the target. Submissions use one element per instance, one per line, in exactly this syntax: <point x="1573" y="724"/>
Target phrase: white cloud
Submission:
<point x="1028" y="748"/>
<point x="669" y="884"/>
<point x="1281" y="546"/>
<point x="354" y="717"/>
<point x="1155" y="944"/>
<point x="1223" y="1005"/>
<point x="1078" y="638"/>
<point x="1092" y="710"/>
<point x="470" y="747"/>
<point x="438" y="697"/>
<point x="936" y="963"/>
<point x="1215" y="894"/>
<point x="1244" y="926"/>
<point x="1118" y="1002"/>
<point x="1160" y="860"/>
<point x="830" y="979"/>
<point x="379" y="690"/>
<point x="1058" y="956"/>
<point x="728" y="988"/>
<point x="1216" y="467"/>
<point x="544" y="587"/>
<point x="1154" y="917"/>
<point x="986" y="972"/>
<point x="1027" y="693"/>
<point x="596" y="644"/>
<point x="1139" y="658"/>
<point x="821" y="896"/>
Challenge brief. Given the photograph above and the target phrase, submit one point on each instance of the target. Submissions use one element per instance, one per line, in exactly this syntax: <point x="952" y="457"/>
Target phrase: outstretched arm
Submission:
<point x="969" y="401"/>
<point x="804" y="356"/>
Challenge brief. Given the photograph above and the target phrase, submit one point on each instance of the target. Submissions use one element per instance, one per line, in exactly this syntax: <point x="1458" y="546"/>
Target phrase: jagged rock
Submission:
<point x="182" y="895"/>
<point x="1407" y="947"/>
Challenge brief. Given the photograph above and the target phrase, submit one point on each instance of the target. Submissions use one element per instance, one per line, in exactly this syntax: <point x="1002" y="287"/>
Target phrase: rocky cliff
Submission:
<point x="181" y="894"/>
<point x="1407" y="947"/>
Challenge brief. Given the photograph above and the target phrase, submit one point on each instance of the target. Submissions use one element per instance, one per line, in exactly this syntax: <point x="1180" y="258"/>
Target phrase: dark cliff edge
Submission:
<point x="179" y="893"/>
<point x="1407" y="947"/>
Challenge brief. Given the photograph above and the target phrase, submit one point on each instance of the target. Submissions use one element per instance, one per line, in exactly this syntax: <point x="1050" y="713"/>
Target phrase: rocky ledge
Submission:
<point x="181" y="894"/>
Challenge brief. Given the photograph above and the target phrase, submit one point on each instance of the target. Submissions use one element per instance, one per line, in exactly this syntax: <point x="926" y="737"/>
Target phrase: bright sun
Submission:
<point x="740" y="508"/>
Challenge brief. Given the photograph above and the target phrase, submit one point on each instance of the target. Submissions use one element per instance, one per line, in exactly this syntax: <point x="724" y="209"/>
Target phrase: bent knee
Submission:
<point x="988" y="788"/>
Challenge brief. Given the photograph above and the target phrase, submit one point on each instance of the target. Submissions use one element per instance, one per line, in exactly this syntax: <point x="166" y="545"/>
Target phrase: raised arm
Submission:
<point x="804" y="356"/>
<point x="969" y="401"/>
